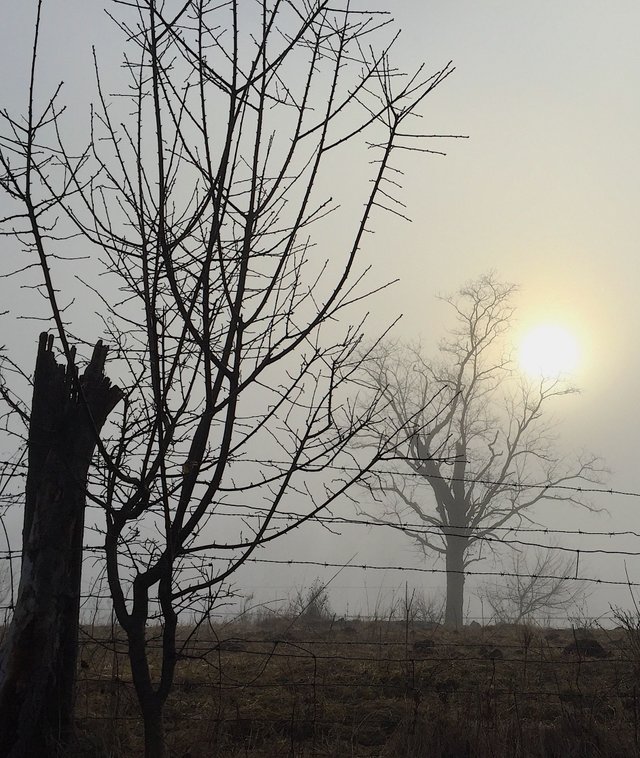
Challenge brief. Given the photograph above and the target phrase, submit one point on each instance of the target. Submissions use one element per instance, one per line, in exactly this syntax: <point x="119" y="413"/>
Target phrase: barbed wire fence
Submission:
<point x="510" y="535"/>
<point x="241" y="656"/>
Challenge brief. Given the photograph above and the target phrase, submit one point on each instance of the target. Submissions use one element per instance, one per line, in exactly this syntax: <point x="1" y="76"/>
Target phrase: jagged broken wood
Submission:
<point x="38" y="660"/>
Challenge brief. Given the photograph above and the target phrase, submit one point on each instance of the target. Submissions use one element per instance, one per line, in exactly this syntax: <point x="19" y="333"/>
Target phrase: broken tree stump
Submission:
<point x="38" y="659"/>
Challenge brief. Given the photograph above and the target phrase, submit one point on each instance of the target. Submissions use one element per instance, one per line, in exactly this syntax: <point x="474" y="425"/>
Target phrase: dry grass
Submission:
<point x="374" y="689"/>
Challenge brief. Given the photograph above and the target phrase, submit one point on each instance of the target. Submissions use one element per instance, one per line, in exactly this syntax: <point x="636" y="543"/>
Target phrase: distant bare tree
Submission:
<point x="417" y="606"/>
<point x="535" y="587"/>
<point x="199" y="200"/>
<point x="311" y="603"/>
<point x="479" y="453"/>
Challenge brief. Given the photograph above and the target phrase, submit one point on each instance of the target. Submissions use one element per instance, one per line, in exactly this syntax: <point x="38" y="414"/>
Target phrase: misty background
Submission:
<point x="545" y="192"/>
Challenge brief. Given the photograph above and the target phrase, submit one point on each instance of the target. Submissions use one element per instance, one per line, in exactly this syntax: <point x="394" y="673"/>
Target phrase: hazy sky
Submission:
<point x="546" y="191"/>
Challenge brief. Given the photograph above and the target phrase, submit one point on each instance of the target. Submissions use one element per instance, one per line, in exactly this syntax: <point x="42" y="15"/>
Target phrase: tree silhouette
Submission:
<point x="479" y="452"/>
<point x="206" y="197"/>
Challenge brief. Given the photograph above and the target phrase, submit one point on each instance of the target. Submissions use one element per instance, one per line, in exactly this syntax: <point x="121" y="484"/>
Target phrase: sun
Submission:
<point x="549" y="351"/>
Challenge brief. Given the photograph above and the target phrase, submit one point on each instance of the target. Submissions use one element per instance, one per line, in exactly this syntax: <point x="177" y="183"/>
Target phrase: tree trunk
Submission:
<point x="154" y="742"/>
<point x="151" y="700"/>
<point x="38" y="659"/>
<point x="456" y="549"/>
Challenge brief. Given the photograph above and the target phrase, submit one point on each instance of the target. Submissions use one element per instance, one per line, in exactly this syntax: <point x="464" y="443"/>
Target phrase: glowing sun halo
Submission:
<point x="549" y="351"/>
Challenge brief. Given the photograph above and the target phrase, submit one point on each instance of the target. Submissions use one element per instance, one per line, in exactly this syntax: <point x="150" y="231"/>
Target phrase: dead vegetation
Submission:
<point x="356" y="688"/>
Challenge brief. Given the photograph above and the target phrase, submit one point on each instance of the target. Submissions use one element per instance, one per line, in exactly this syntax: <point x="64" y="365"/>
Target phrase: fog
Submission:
<point x="544" y="192"/>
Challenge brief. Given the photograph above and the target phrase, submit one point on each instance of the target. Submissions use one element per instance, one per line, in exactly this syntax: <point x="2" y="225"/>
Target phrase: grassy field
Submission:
<point x="362" y="688"/>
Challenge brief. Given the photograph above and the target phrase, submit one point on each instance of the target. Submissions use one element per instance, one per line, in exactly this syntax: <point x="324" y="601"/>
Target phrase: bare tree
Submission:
<point x="535" y="587"/>
<point x="209" y="212"/>
<point x="311" y="604"/>
<point x="479" y="453"/>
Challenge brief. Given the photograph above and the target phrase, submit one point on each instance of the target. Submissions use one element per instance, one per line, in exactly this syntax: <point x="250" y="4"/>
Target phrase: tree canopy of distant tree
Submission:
<point x="479" y="452"/>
